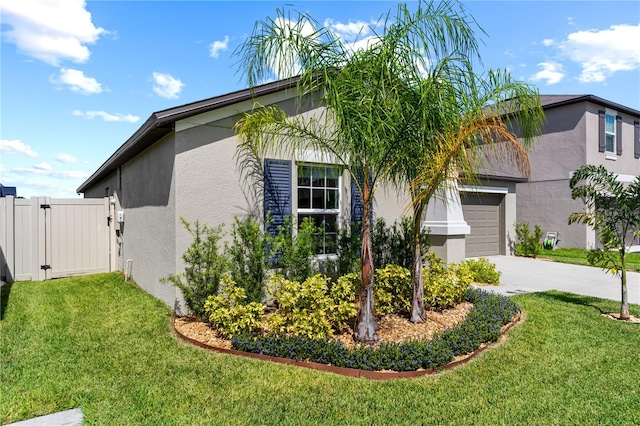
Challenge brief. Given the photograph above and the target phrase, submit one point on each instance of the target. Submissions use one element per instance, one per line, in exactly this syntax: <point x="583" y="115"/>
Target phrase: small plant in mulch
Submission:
<point x="482" y="325"/>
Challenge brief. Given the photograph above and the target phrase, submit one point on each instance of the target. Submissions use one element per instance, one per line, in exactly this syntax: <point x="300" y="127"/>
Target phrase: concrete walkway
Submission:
<point x="524" y="275"/>
<point x="63" y="418"/>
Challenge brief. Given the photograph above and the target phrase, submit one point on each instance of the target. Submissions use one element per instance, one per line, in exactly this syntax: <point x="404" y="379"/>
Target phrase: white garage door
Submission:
<point x="482" y="214"/>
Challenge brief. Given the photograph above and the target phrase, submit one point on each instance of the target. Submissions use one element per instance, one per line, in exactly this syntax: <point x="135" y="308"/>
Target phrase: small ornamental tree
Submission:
<point x="612" y="209"/>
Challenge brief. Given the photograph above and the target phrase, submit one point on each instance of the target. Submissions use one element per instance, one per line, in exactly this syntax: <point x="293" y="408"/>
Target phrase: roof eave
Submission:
<point x="161" y="123"/>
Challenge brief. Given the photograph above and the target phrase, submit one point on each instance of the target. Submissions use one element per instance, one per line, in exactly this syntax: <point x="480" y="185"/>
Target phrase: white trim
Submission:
<point x="484" y="189"/>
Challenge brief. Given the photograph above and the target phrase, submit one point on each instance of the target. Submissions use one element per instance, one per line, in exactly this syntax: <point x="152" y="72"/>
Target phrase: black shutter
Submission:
<point x="618" y="135"/>
<point x="636" y="139"/>
<point x="277" y="192"/>
<point x="601" y="131"/>
<point x="357" y="208"/>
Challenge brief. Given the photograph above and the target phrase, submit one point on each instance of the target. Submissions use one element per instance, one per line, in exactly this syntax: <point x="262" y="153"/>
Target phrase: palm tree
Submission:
<point x="364" y="94"/>
<point x="612" y="209"/>
<point x="461" y="121"/>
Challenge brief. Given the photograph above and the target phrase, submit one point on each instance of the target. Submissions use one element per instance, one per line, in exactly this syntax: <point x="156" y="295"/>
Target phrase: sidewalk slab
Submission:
<point x="63" y="418"/>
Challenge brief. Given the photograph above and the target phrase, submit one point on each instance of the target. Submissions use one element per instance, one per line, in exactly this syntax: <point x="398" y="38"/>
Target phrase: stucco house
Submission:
<point x="579" y="130"/>
<point x="182" y="163"/>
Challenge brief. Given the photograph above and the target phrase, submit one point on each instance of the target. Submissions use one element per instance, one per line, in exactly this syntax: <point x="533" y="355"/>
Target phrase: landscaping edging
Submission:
<point x="351" y="372"/>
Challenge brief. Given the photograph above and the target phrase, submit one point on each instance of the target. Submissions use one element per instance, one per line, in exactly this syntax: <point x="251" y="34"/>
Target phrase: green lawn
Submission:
<point x="103" y="345"/>
<point x="579" y="257"/>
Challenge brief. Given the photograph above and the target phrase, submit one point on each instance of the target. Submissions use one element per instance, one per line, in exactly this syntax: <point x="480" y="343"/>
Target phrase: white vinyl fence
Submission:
<point x="43" y="238"/>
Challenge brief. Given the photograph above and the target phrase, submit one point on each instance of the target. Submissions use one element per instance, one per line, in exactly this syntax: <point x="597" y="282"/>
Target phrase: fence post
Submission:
<point x="42" y="231"/>
<point x="7" y="238"/>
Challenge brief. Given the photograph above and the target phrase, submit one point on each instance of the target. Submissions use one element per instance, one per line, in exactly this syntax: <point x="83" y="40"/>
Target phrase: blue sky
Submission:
<point x="78" y="78"/>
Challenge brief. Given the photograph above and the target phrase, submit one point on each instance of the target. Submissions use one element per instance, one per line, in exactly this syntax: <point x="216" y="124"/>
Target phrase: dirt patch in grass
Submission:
<point x="616" y="316"/>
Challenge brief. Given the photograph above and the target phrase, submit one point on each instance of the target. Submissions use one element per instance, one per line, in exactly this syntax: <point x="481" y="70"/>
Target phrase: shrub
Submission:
<point x="482" y="271"/>
<point x="483" y="324"/>
<point x="527" y="243"/>
<point x="347" y="259"/>
<point x="393" y="291"/>
<point x="249" y="258"/>
<point x="443" y="287"/>
<point x="205" y="267"/>
<point x="295" y="250"/>
<point x="394" y="244"/>
<point x="228" y="312"/>
<point x="310" y="308"/>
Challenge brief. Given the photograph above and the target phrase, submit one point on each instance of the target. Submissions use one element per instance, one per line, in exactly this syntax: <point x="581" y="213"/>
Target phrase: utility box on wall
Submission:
<point x="120" y="216"/>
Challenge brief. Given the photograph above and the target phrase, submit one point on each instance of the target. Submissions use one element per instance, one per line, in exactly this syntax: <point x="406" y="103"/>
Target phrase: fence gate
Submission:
<point x="43" y="238"/>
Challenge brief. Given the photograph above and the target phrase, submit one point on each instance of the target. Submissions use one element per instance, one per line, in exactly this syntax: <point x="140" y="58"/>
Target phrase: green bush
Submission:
<point x="228" y="312"/>
<point x="294" y="250"/>
<point x="482" y="271"/>
<point x="527" y="243"/>
<point x="311" y="308"/>
<point x="347" y="259"/>
<point x="205" y="267"/>
<point x="483" y="324"/>
<point x="248" y="253"/>
<point x="444" y="287"/>
<point x="392" y="290"/>
<point x="394" y="244"/>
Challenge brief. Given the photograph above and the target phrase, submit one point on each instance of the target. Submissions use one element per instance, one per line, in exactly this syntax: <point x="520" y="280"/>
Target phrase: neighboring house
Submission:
<point x="6" y="191"/>
<point x="579" y="130"/>
<point x="182" y="163"/>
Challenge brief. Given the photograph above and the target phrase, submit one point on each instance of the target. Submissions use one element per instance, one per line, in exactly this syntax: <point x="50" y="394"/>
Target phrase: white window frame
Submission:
<point x="610" y="153"/>
<point x="310" y="211"/>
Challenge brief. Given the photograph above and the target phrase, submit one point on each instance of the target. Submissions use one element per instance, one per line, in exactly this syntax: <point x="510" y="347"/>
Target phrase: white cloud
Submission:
<point x="67" y="158"/>
<point x="90" y="115"/>
<point x="166" y="86"/>
<point x="16" y="146"/>
<point x="43" y="166"/>
<point x="548" y="42"/>
<point x="601" y="53"/>
<point x="219" y="46"/>
<point x="45" y="169"/>
<point x="551" y="73"/>
<point x="570" y="21"/>
<point x="50" y="31"/>
<point x="348" y="32"/>
<point x="77" y="81"/>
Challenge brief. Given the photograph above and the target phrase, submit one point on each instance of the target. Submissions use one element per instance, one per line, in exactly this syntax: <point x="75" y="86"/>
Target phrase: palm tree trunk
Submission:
<point x="418" y="313"/>
<point x="365" y="327"/>
<point x="624" y="307"/>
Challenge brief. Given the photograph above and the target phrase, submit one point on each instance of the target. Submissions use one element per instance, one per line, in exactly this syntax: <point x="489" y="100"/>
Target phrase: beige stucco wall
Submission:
<point x="148" y="200"/>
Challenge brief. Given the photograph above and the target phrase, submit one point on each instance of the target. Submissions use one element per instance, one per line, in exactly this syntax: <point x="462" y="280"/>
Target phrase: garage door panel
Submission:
<point x="482" y="214"/>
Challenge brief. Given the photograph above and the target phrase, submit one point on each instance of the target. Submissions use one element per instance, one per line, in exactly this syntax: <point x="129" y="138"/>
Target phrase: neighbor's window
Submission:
<point x="610" y="133"/>
<point x="319" y="199"/>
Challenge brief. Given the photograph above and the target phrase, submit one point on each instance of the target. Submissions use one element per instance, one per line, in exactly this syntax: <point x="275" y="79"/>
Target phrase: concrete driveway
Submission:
<point x="524" y="275"/>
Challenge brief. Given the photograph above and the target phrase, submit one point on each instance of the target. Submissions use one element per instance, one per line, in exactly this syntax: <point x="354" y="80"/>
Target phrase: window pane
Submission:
<point x="318" y="177"/>
<point x="609" y="145"/>
<point x="304" y="176"/>
<point x="609" y="125"/>
<point x="332" y="198"/>
<point x="318" y="199"/>
<point x="332" y="177"/>
<point x="304" y="198"/>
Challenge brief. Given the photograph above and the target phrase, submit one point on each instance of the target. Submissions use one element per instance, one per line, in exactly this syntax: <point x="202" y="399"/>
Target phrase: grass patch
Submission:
<point x="579" y="257"/>
<point x="103" y="345"/>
